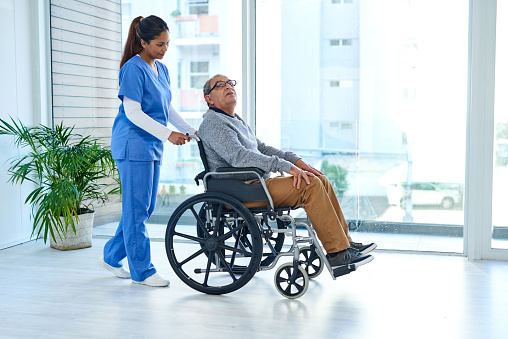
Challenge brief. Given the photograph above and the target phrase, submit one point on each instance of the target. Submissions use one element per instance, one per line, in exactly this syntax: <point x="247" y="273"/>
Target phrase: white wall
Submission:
<point x="86" y="52"/>
<point x="25" y="95"/>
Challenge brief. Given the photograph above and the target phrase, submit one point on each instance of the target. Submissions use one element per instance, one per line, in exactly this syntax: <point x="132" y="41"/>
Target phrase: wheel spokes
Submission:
<point x="200" y="222"/>
<point x="306" y="255"/>
<point x="236" y="250"/>
<point x="226" y="264"/>
<point x="315" y="267"/>
<point x="207" y="272"/>
<point x="190" y="237"/>
<point x="217" y="221"/>
<point x="230" y="233"/>
<point x="213" y="243"/>
<point x="193" y="256"/>
<point x="298" y="286"/>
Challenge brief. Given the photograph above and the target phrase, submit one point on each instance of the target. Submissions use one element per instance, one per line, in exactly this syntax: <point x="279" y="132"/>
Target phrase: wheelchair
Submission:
<point x="215" y="244"/>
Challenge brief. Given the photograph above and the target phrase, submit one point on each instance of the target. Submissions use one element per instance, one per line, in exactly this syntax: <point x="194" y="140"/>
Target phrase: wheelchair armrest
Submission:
<point x="241" y="169"/>
<point x="199" y="176"/>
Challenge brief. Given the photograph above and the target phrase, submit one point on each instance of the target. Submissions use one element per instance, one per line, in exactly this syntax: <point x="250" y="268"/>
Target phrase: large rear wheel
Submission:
<point x="226" y="251"/>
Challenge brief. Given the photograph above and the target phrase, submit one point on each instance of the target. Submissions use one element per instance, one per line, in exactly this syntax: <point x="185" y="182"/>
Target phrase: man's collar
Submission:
<point x="218" y="110"/>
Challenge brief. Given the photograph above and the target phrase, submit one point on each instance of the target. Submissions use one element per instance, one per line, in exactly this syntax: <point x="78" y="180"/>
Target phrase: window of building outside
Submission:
<point x="384" y="117"/>
<point x="199" y="73"/>
<point x="500" y="175"/>
<point x="201" y="45"/>
<point x="197" y="6"/>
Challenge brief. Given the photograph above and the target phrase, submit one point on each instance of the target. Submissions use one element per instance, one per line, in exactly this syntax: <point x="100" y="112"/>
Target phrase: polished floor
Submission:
<point x="46" y="293"/>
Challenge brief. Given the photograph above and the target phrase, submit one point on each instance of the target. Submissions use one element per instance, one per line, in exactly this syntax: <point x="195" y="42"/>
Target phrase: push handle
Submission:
<point x="202" y="153"/>
<point x="193" y="136"/>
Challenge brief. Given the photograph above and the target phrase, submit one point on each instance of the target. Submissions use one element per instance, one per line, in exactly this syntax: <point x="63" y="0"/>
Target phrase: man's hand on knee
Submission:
<point x="306" y="167"/>
<point x="299" y="174"/>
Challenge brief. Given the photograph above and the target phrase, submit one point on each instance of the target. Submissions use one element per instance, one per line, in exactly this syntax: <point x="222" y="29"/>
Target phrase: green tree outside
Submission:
<point x="337" y="176"/>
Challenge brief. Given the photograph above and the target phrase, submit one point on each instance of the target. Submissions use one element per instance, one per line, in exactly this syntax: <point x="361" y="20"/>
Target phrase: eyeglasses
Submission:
<point x="231" y="83"/>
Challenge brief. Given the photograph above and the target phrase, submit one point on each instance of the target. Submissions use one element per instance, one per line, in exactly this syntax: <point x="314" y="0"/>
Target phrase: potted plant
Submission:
<point x="70" y="173"/>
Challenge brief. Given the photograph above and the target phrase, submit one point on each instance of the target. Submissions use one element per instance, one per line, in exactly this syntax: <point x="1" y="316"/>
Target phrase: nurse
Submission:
<point x="139" y="132"/>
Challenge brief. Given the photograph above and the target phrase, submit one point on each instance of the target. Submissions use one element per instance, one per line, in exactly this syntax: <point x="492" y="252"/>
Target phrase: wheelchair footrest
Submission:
<point x="343" y="270"/>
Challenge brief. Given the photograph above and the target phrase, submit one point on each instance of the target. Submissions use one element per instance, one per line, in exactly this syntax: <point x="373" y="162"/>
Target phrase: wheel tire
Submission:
<point x="208" y="261"/>
<point x="447" y="203"/>
<point x="291" y="289"/>
<point x="311" y="262"/>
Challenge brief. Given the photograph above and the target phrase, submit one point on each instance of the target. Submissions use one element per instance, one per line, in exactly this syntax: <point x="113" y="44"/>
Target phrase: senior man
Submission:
<point x="229" y="142"/>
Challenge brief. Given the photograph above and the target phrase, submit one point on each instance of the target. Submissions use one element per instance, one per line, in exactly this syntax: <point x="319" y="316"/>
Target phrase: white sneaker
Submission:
<point x="120" y="272"/>
<point x="153" y="281"/>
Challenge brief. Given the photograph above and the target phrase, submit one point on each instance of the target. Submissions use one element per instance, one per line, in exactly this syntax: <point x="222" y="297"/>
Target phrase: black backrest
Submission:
<point x="235" y="188"/>
<point x="202" y="154"/>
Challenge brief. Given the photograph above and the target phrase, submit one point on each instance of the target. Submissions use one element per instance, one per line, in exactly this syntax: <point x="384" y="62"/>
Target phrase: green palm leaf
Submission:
<point x="69" y="171"/>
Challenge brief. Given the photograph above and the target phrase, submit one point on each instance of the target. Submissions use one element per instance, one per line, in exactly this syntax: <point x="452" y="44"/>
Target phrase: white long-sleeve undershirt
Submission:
<point x="139" y="118"/>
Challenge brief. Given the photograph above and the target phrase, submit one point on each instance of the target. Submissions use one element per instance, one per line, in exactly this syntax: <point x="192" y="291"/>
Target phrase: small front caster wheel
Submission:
<point x="311" y="261"/>
<point x="289" y="285"/>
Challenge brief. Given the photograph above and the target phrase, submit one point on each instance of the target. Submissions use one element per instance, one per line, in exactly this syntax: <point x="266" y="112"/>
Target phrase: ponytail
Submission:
<point x="147" y="29"/>
<point x="132" y="45"/>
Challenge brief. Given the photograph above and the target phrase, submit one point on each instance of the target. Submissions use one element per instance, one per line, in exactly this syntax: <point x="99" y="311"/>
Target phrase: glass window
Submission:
<point x="341" y="83"/>
<point x="198" y="6"/>
<point x="198" y="74"/>
<point x="199" y="48"/>
<point x="394" y="142"/>
<point x="500" y="175"/>
<point x="341" y="42"/>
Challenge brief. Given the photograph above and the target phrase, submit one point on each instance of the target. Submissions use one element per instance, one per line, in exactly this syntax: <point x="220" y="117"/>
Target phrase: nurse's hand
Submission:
<point x="177" y="138"/>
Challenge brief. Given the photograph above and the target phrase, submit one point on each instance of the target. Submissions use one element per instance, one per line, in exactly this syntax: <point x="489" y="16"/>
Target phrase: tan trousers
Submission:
<point x="321" y="205"/>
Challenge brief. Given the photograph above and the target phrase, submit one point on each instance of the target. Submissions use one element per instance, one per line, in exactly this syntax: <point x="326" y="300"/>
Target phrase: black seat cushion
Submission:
<point x="237" y="189"/>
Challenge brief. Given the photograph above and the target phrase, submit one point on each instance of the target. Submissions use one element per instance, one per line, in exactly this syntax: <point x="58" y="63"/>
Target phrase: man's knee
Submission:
<point x="315" y="183"/>
<point x="324" y="179"/>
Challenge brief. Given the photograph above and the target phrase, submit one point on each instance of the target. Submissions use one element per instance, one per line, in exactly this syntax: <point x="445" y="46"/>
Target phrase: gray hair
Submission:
<point x="207" y="87"/>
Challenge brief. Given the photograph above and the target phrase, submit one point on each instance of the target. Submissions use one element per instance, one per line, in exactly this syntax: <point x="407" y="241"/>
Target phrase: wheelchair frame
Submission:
<point x="227" y="230"/>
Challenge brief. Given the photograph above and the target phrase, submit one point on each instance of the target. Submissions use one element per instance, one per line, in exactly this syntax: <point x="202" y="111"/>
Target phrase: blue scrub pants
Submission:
<point x="140" y="181"/>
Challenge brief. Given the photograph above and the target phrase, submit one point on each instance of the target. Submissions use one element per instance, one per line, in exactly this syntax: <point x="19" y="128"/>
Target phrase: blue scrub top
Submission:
<point x="139" y="83"/>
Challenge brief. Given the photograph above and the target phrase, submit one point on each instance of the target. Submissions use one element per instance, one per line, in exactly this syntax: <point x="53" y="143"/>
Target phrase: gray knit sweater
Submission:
<point x="229" y="142"/>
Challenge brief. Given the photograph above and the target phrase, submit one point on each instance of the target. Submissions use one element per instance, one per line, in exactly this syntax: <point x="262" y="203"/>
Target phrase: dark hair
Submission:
<point x="147" y="29"/>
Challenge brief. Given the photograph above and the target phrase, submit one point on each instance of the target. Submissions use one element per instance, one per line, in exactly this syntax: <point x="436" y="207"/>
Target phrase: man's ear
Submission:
<point x="208" y="99"/>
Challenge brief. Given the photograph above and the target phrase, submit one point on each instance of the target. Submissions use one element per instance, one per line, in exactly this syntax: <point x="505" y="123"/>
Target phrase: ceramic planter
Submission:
<point x="82" y="238"/>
